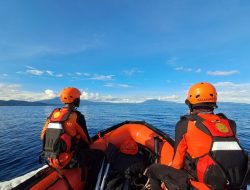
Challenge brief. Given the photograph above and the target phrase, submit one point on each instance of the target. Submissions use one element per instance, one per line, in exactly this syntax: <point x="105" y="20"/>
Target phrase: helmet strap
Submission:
<point x="189" y="105"/>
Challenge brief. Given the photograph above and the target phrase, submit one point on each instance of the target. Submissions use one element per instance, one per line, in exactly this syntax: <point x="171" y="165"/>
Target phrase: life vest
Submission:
<point x="224" y="165"/>
<point x="56" y="140"/>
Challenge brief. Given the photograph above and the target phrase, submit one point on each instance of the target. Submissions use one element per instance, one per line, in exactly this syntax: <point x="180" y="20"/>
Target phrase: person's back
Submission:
<point x="206" y="146"/>
<point x="66" y="140"/>
<point x="65" y="130"/>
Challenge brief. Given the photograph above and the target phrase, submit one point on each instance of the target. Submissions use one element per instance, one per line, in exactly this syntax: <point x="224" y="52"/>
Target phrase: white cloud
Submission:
<point x="233" y="92"/>
<point x="124" y="85"/>
<point x="102" y="77"/>
<point x="59" y="75"/>
<point x="34" y="72"/>
<point x="50" y="73"/>
<point x="187" y="69"/>
<point x="198" y="70"/>
<point x="109" y="85"/>
<point x="96" y="96"/>
<point x="179" y="69"/>
<point x="82" y="74"/>
<point x="223" y="73"/>
<point x="227" y="92"/>
<point x="169" y="98"/>
<point x="113" y="85"/>
<point x="89" y="76"/>
<point x="86" y="74"/>
<point x="50" y="93"/>
<point x="15" y="92"/>
<point x="37" y="72"/>
<point x="132" y="71"/>
<point x="4" y="75"/>
<point x="172" y="61"/>
<point x="225" y="84"/>
<point x="90" y="96"/>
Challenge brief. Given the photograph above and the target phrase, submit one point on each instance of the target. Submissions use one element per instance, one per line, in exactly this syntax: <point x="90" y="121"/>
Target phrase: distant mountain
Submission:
<point x="20" y="103"/>
<point x="56" y="101"/>
<point x="157" y="102"/>
<point x="49" y="102"/>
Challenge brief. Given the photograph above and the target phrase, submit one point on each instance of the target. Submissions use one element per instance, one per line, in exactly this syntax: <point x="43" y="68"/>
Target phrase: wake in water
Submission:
<point x="7" y="185"/>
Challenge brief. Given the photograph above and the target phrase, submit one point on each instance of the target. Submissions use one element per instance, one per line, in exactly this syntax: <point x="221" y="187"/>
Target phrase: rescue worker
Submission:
<point x="66" y="140"/>
<point x="207" y="154"/>
<point x="65" y="130"/>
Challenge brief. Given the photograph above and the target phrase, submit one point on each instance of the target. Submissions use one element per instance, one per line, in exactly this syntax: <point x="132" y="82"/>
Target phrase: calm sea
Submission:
<point x="20" y="128"/>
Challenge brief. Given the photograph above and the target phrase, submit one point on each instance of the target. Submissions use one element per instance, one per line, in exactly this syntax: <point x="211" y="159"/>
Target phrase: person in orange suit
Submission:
<point x="66" y="141"/>
<point x="207" y="153"/>
<point x="65" y="130"/>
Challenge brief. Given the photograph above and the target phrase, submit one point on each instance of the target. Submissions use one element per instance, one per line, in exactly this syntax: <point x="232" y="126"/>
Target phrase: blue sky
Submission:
<point x="124" y="50"/>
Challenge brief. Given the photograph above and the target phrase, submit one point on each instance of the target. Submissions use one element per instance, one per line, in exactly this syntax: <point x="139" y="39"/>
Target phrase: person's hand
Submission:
<point x="163" y="186"/>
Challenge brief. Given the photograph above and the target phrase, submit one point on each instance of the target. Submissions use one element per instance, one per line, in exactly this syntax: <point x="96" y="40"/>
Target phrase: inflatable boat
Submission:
<point x="119" y="166"/>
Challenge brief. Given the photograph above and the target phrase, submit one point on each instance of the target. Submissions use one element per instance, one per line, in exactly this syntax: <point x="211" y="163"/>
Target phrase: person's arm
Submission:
<point x="44" y="128"/>
<point x="73" y="127"/>
<point x="180" y="143"/>
<point x="82" y="123"/>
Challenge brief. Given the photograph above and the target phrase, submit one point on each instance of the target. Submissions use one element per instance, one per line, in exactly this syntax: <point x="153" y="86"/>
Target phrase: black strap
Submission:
<point x="199" y="123"/>
<point x="246" y="179"/>
<point x="222" y="115"/>
<point x="190" y="167"/>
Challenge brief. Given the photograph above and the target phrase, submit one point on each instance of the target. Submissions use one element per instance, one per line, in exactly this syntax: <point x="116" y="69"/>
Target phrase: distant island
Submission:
<point x="56" y="101"/>
<point x="21" y="103"/>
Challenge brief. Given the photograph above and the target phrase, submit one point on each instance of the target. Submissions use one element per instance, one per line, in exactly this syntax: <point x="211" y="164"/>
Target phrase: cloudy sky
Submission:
<point x="124" y="50"/>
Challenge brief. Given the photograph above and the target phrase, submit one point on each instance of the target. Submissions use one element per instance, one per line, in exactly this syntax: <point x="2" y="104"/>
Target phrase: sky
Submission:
<point x="124" y="50"/>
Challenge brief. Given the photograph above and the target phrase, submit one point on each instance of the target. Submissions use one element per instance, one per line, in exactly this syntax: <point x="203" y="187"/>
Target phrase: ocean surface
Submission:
<point x="20" y="128"/>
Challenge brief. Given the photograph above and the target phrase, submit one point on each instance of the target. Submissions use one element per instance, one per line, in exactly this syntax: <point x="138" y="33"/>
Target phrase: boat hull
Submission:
<point x="141" y="132"/>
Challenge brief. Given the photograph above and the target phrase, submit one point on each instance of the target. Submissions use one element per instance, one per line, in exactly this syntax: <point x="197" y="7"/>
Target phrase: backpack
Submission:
<point x="55" y="140"/>
<point x="225" y="165"/>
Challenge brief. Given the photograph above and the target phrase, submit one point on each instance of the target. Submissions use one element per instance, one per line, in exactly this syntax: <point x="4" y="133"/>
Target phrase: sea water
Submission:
<point x="20" y="128"/>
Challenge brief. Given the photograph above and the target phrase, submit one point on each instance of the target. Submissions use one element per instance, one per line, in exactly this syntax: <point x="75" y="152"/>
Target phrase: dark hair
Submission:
<point x="201" y="106"/>
<point x="76" y="102"/>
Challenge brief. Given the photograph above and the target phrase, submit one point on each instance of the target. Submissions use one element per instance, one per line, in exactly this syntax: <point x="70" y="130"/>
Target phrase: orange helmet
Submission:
<point x="69" y="95"/>
<point x="200" y="93"/>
